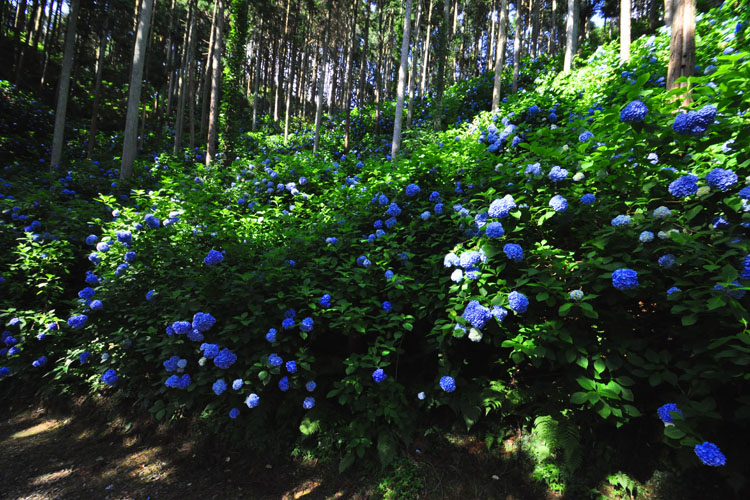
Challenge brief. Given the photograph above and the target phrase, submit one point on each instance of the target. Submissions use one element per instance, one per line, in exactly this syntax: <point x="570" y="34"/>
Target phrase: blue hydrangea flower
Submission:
<point x="533" y="169"/>
<point x="387" y="307"/>
<point x="130" y="256"/>
<point x="709" y="454"/>
<point x="621" y="220"/>
<point x="663" y="412"/>
<point x="501" y="207"/>
<point x="389" y="274"/>
<point x="434" y="197"/>
<point x="84" y="357"/>
<point x="694" y="123"/>
<point x="91" y="239"/>
<point x="425" y="215"/>
<point x="585" y="136"/>
<point x="558" y="203"/>
<point x="325" y="301"/>
<point x="274" y="360"/>
<point x="721" y="179"/>
<point x="472" y="273"/>
<point x="310" y="386"/>
<point x="181" y="327"/>
<point x="39" y="362"/>
<point x="662" y="212"/>
<point x="237" y="384"/>
<point x="214" y="257"/>
<point x="393" y="210"/>
<point x="438" y="209"/>
<point x="499" y="313"/>
<point x="667" y="261"/>
<point x="150" y="294"/>
<point x="624" y="279"/>
<point x="448" y="384"/>
<point x="219" y="386"/>
<point x="646" y="236"/>
<point x="287" y="323"/>
<point x="171" y="364"/>
<point x="518" y="302"/>
<point x="102" y="246"/>
<point x="78" y="321"/>
<point x="382" y="200"/>
<point x="203" y="321"/>
<point x="634" y="112"/>
<point x="210" y="351"/>
<point x="308" y="403"/>
<point x="125" y="237"/>
<point x="379" y="375"/>
<point x="476" y="314"/>
<point x="412" y="190"/>
<point x="576" y="295"/>
<point x="684" y="186"/>
<point x="513" y="251"/>
<point x="451" y="260"/>
<point x="494" y="230"/>
<point x="389" y="223"/>
<point x="363" y="261"/>
<point x="673" y="290"/>
<point x="94" y="258"/>
<point x="87" y="293"/>
<point x="291" y="366"/>
<point x="284" y="384"/>
<point x="91" y="278"/>
<point x="234" y="413"/>
<point x="152" y="221"/>
<point x="588" y="199"/>
<point x="469" y="259"/>
<point x="110" y="377"/>
<point x="306" y="325"/>
<point x="96" y="305"/>
<point x="195" y="335"/>
<point x="225" y="359"/>
<point x="252" y="400"/>
<point x="557" y="174"/>
<point x="4" y="372"/>
<point x="121" y="268"/>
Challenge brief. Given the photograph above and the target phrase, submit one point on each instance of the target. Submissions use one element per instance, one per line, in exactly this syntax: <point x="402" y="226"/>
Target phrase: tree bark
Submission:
<point x="363" y="62"/>
<point x="624" y="30"/>
<point x="517" y="43"/>
<point x="130" y="139"/>
<point x="213" y="114"/>
<point x="535" y="27"/>
<point x="396" y="143"/>
<point x="187" y="60"/>
<point x="502" y="35"/>
<point x="413" y="75"/>
<point x="207" y="74"/>
<point x="442" y="56"/>
<point x="100" y="51"/>
<point x="571" y="35"/>
<point x="682" y="46"/>
<point x="256" y="78"/>
<point x="321" y="79"/>
<point x="350" y="76"/>
<point x="426" y="50"/>
<point x="64" y="84"/>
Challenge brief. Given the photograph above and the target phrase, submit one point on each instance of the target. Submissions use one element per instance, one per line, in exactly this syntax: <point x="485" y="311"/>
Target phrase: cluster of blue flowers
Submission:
<point x="694" y="123"/>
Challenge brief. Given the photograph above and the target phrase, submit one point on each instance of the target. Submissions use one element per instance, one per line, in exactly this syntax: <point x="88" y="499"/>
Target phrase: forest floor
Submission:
<point x="74" y="452"/>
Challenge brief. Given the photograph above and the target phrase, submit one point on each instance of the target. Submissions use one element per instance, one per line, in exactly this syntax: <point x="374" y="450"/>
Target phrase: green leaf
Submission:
<point x="583" y="362"/>
<point x="564" y="309"/>
<point x="578" y="398"/>
<point x="599" y="366"/>
<point x="586" y="383"/>
<point x="690" y="319"/>
<point x="671" y="431"/>
<point x="309" y="427"/>
<point x="693" y="212"/>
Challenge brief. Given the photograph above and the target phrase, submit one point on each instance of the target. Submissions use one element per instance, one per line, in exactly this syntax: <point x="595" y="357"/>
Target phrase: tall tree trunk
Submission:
<point x="426" y="50"/>
<point x="64" y="84"/>
<point x="413" y="73"/>
<point x="130" y="136"/>
<point x="350" y="75"/>
<point x="517" y="43"/>
<point x="334" y="83"/>
<point x="290" y="89"/>
<point x="363" y="62"/>
<point x="442" y="56"/>
<point x="256" y="78"/>
<point x="379" y="72"/>
<point x="396" y="143"/>
<point x="669" y="10"/>
<point x="170" y="60"/>
<point x="100" y="52"/>
<point x="571" y="35"/>
<point x="535" y="27"/>
<point x="187" y="59"/>
<point x="682" y="45"/>
<point x="502" y="35"/>
<point x="50" y="42"/>
<point x="213" y="114"/>
<point x="321" y="79"/>
<point x="624" y="30"/>
<point x="205" y="84"/>
<point x="38" y="25"/>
